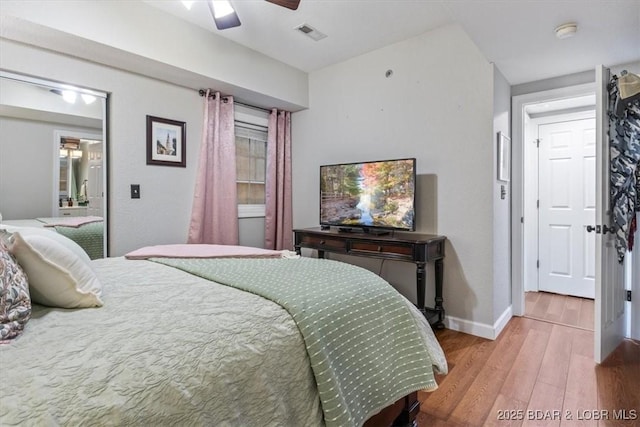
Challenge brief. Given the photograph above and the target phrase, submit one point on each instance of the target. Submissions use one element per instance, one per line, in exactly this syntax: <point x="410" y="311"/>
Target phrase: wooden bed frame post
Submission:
<point x="409" y="414"/>
<point x="403" y="413"/>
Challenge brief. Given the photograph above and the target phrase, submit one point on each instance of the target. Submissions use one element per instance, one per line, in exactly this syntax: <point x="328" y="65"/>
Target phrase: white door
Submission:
<point x="95" y="181"/>
<point x="610" y="292"/>
<point x="567" y="197"/>
<point x="634" y="306"/>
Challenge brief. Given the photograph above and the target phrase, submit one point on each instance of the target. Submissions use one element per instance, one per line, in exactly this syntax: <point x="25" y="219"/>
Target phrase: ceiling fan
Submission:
<point x="225" y="15"/>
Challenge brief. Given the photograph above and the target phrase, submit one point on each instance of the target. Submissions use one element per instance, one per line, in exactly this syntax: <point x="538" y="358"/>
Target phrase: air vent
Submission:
<point x="311" y="32"/>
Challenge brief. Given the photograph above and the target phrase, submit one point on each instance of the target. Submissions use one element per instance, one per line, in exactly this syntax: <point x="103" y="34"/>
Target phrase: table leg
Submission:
<point x="421" y="274"/>
<point x="439" y="271"/>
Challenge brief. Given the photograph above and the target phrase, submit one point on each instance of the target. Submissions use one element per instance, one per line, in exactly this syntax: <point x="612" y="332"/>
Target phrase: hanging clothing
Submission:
<point x="638" y="184"/>
<point x="624" y="146"/>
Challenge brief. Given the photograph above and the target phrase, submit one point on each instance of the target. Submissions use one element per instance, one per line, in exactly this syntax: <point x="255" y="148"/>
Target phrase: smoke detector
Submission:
<point x="566" y="30"/>
<point x="311" y="32"/>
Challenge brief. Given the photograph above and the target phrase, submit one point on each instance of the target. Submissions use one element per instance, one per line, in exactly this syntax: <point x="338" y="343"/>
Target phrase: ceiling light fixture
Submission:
<point x="70" y="148"/>
<point x="566" y="30"/>
<point x="223" y="14"/>
<point x="69" y="96"/>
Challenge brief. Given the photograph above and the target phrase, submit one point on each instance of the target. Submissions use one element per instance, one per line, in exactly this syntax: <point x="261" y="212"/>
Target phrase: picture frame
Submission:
<point x="166" y="142"/>
<point x="504" y="157"/>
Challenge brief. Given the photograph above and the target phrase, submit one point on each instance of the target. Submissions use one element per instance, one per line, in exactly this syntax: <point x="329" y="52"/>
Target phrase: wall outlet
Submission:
<point x="135" y="191"/>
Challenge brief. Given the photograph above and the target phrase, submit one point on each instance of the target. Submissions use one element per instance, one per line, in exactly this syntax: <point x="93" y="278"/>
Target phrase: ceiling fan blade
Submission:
<point x="289" y="4"/>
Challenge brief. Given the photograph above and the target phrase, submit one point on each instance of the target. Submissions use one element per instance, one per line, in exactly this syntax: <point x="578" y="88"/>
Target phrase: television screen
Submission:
<point x="378" y="194"/>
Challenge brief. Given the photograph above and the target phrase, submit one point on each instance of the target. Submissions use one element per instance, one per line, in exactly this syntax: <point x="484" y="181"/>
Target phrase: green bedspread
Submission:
<point x="363" y="344"/>
<point x="89" y="236"/>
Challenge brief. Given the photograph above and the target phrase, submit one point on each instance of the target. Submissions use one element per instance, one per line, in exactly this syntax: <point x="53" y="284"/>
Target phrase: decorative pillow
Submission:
<point x="58" y="277"/>
<point x="15" y="304"/>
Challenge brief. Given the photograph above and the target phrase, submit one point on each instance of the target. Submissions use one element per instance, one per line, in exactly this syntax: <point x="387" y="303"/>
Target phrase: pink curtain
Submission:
<point x="214" y="216"/>
<point x="278" y="215"/>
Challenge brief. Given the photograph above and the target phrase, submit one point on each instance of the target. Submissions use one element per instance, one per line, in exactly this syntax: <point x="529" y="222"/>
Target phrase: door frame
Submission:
<point x="58" y="134"/>
<point x="531" y="238"/>
<point x="518" y="105"/>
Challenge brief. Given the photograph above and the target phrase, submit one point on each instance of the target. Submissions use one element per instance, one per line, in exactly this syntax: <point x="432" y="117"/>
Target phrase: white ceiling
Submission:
<point x="516" y="35"/>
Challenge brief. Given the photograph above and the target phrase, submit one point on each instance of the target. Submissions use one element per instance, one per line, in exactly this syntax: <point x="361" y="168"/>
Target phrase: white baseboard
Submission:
<point x="481" y="330"/>
<point x="502" y="321"/>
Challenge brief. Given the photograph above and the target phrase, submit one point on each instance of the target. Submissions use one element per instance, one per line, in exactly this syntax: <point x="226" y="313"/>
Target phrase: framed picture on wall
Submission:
<point x="166" y="142"/>
<point x="504" y="157"/>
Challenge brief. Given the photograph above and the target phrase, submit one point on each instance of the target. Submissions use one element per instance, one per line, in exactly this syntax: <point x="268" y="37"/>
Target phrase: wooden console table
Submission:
<point x="400" y="246"/>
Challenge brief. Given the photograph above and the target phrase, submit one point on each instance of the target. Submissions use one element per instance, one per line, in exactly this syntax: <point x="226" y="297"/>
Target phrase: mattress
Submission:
<point x="22" y="223"/>
<point x="167" y="348"/>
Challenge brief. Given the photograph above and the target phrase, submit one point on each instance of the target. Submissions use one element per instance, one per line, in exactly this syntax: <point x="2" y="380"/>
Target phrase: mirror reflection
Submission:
<point x="80" y="176"/>
<point x="52" y="162"/>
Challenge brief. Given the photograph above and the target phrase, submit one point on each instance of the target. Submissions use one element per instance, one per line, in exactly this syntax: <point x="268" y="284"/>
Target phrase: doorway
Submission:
<point x="560" y="309"/>
<point x="610" y="312"/>
<point x="572" y="100"/>
<point x="78" y="174"/>
<point x="560" y="200"/>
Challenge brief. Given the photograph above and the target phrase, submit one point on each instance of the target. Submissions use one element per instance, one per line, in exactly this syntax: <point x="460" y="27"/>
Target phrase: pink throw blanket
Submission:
<point x="71" y="221"/>
<point x="192" y="250"/>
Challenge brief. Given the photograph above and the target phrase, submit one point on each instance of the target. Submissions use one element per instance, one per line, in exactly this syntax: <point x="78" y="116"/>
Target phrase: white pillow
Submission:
<point x="58" y="277"/>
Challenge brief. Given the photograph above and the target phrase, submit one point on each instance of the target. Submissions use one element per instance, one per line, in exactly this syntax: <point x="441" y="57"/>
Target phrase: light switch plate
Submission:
<point x="135" y="191"/>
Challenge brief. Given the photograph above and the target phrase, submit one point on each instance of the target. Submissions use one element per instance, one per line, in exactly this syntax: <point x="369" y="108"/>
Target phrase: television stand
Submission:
<point x="416" y="248"/>
<point x="376" y="232"/>
<point x="345" y="230"/>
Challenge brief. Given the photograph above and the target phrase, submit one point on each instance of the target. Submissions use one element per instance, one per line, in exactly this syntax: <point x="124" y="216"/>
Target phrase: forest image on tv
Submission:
<point x="376" y="194"/>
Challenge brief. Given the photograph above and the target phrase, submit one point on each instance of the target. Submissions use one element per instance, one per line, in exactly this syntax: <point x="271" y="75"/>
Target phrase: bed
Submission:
<point x="169" y="346"/>
<point x="87" y="231"/>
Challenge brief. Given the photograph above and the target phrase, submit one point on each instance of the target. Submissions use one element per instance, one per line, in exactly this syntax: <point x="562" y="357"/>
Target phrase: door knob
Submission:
<point x="606" y="229"/>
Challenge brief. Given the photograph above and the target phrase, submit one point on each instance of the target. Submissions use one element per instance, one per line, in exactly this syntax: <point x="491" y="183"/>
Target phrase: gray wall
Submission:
<point x="162" y="213"/>
<point x="501" y="207"/>
<point x="132" y="35"/>
<point x="555" y="83"/>
<point x="437" y="107"/>
<point x="147" y="81"/>
<point x="26" y="166"/>
<point x="584" y="77"/>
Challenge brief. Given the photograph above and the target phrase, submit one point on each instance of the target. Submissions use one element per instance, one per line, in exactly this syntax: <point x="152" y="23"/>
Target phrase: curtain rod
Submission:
<point x="203" y="92"/>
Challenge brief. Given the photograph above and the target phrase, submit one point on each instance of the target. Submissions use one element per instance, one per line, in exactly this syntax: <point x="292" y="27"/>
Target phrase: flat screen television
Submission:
<point x="375" y="196"/>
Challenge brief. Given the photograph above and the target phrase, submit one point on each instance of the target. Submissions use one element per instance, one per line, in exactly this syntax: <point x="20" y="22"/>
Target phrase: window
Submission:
<point x="251" y="160"/>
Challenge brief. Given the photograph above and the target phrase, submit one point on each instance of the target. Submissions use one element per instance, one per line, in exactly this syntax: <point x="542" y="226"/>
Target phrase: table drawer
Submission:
<point x="435" y="251"/>
<point x="383" y="248"/>
<point x="73" y="211"/>
<point x="322" y="242"/>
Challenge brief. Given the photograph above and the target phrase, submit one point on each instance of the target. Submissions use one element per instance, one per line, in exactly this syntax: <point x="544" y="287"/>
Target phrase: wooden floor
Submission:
<point x="534" y="370"/>
<point x="561" y="309"/>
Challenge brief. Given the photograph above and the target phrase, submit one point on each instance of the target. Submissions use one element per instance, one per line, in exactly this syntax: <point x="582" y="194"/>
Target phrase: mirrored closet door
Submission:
<point x="53" y="158"/>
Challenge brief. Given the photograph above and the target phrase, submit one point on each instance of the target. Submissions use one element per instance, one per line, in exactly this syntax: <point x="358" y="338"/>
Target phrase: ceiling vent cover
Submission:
<point x="311" y="32"/>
